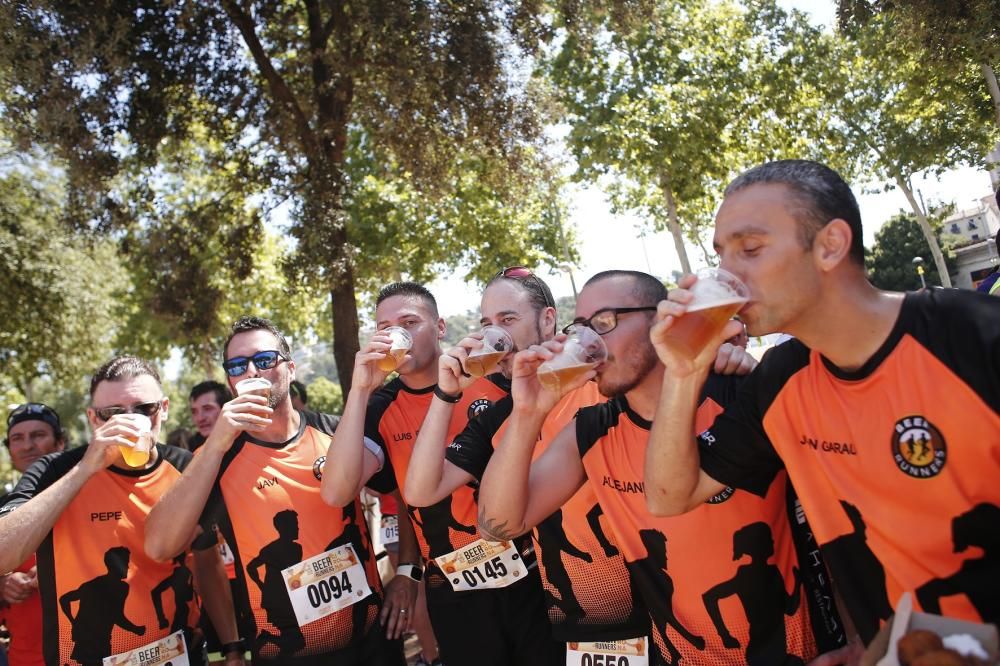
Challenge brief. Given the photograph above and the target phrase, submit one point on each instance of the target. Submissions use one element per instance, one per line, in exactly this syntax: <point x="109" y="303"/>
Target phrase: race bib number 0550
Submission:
<point x="324" y="584"/>
<point x="483" y="565"/>
<point x="168" y="650"/>
<point x="629" y="652"/>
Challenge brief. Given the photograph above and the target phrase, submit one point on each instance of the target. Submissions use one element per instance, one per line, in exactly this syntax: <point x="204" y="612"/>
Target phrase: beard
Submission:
<point x="639" y="362"/>
<point x="506" y="365"/>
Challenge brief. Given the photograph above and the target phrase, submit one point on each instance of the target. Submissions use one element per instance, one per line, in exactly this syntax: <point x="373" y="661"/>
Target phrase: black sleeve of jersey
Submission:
<point x="384" y="480"/>
<point x="326" y="423"/>
<point x="736" y="450"/>
<point x="472" y="448"/>
<point x="43" y="473"/>
<point x="962" y="329"/>
<point x="593" y="423"/>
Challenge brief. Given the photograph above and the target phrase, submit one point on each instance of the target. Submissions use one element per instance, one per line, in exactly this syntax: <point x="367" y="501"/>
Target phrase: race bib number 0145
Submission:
<point x="390" y="529"/>
<point x="629" y="652"/>
<point x="324" y="584"/>
<point x="483" y="565"/>
<point x="170" y="649"/>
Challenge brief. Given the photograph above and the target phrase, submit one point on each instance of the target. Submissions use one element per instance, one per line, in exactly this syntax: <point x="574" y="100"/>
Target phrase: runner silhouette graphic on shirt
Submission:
<point x="179" y="581"/>
<point x="594" y="520"/>
<point x="662" y="610"/>
<point x="280" y="554"/>
<point x="850" y="559"/>
<point x="978" y="579"/>
<point x="556" y="544"/>
<point x="760" y="588"/>
<point x="435" y="521"/>
<point x="353" y="535"/>
<point x="101" y="607"/>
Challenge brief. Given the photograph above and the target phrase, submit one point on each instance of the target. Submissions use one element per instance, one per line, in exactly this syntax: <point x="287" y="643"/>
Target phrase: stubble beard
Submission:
<point x="640" y="363"/>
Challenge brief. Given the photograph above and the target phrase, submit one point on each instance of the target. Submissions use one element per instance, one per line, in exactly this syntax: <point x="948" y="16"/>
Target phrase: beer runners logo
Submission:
<point x="918" y="447"/>
<point x="318" y="468"/>
<point x="478" y="407"/>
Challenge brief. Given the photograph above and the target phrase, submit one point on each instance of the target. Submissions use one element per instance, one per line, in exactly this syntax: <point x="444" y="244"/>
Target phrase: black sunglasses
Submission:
<point x="524" y="273"/>
<point x="146" y="409"/>
<point x="606" y="320"/>
<point x="262" y="360"/>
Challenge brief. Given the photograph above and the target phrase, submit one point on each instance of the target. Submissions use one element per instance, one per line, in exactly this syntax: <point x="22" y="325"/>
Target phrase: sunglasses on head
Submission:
<point x="262" y="360"/>
<point x="524" y="273"/>
<point x="146" y="409"/>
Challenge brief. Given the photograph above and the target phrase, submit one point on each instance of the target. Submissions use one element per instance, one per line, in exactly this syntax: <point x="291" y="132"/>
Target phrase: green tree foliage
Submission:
<point x="667" y="102"/>
<point x="890" y="263"/>
<point x="281" y="90"/>
<point x="325" y="396"/>
<point x="899" y="115"/>
<point x="57" y="285"/>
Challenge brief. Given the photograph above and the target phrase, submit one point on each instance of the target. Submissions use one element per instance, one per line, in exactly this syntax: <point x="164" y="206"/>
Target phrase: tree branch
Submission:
<point x="279" y="88"/>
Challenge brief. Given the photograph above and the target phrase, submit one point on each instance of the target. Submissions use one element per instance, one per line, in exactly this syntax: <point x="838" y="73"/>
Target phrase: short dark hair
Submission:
<point x="646" y="288"/>
<point x="299" y="389"/>
<point x="822" y="195"/>
<point x="247" y="323"/>
<point x="122" y="367"/>
<point x="539" y="294"/>
<point x="221" y="391"/>
<point x="407" y="289"/>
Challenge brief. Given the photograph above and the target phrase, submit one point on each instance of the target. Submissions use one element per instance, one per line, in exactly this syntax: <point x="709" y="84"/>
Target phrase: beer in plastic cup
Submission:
<point x="718" y="295"/>
<point x="256" y="386"/>
<point x="583" y="350"/>
<point x="401" y="343"/>
<point x="137" y="455"/>
<point x="496" y="344"/>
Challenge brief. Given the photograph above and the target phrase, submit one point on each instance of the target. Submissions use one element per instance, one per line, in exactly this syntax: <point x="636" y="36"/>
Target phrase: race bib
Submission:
<point x="483" y="565"/>
<point x="324" y="584"/>
<point x="390" y="530"/>
<point x="170" y="649"/>
<point x="226" y="553"/>
<point x="628" y="652"/>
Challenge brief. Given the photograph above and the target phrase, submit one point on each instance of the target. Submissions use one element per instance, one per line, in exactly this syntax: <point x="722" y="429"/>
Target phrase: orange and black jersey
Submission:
<point x="721" y="583"/>
<point x="100" y="594"/>
<point x="896" y="463"/>
<point x="588" y="597"/>
<point x="266" y="502"/>
<point x="393" y="420"/>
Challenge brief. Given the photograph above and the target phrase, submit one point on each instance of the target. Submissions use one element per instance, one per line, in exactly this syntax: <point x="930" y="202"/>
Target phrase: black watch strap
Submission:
<point x="239" y="645"/>
<point x="447" y="398"/>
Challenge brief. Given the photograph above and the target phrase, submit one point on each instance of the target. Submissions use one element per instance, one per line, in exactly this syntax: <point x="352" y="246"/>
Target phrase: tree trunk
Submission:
<point x="673" y="224"/>
<point x="925" y="227"/>
<point x="345" y="329"/>
<point x="991" y="83"/>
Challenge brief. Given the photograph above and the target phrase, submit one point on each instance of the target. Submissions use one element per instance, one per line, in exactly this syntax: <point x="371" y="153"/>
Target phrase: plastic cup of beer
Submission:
<point x="583" y="350"/>
<point x="401" y="343"/>
<point x="137" y="455"/>
<point x="483" y="361"/>
<point x="718" y="295"/>
<point x="256" y="386"/>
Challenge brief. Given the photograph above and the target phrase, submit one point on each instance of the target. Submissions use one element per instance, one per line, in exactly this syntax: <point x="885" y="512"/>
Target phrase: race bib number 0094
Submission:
<point x="628" y="652"/>
<point x="483" y="565"/>
<point x="170" y="649"/>
<point x="324" y="584"/>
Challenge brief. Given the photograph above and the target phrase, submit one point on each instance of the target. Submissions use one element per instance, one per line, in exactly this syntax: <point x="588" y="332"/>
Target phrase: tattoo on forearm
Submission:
<point x="491" y="530"/>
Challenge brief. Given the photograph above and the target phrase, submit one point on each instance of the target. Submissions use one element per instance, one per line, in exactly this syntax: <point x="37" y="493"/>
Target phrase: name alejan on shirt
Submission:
<point x="637" y="487"/>
<point x="831" y="447"/>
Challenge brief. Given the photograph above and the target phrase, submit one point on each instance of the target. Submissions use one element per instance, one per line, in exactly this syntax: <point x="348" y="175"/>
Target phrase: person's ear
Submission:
<point x="832" y="245"/>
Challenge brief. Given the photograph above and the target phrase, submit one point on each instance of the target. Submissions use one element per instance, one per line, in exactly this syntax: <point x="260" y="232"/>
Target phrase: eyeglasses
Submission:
<point x="524" y="273"/>
<point x="606" y="320"/>
<point x="262" y="360"/>
<point x="149" y="409"/>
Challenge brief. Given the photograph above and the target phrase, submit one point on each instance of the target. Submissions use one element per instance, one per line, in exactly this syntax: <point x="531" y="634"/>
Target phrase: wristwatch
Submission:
<point x="239" y="645"/>
<point x="412" y="571"/>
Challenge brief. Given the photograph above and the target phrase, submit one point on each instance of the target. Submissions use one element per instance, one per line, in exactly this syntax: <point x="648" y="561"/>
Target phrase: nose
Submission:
<point x="252" y="370"/>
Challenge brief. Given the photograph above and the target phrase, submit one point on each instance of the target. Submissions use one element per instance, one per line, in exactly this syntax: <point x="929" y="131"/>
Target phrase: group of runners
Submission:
<point x="672" y="502"/>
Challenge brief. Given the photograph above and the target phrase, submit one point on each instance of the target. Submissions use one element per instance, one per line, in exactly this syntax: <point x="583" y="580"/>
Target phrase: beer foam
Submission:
<point x="701" y="304"/>
<point x="713" y="291"/>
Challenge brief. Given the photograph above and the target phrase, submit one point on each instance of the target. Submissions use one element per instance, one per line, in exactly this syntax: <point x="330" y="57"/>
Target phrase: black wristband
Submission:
<point x="447" y="398"/>
<point x="239" y="645"/>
